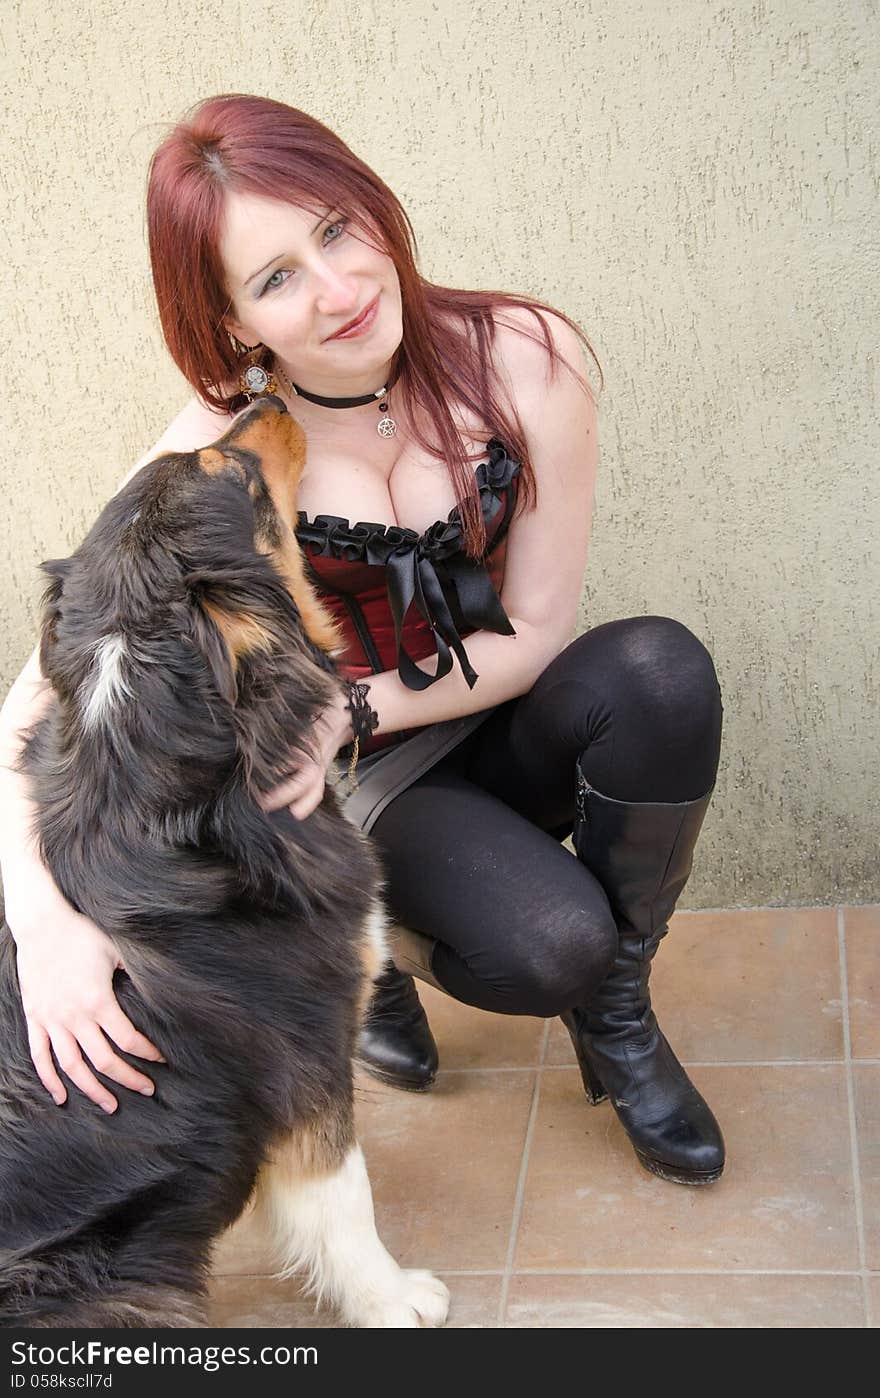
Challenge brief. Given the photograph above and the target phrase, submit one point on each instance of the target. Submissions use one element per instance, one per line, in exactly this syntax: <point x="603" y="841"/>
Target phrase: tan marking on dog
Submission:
<point x="280" y="444"/>
<point x="317" y="1147"/>
<point x="373" y="952"/>
<point x="214" y="462"/>
<point x="287" y="560"/>
<point x="241" y="634"/>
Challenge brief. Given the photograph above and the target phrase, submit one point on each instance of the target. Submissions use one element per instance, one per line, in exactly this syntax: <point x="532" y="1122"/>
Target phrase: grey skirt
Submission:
<point x="383" y="775"/>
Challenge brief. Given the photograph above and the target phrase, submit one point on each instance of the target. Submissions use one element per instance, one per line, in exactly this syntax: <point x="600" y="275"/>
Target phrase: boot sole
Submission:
<point x="405" y="1085"/>
<point x="676" y="1175"/>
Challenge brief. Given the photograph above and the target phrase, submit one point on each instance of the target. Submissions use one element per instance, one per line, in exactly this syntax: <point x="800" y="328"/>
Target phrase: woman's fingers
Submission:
<point x="301" y="793"/>
<point x="71" y="1062"/>
<point x="89" y="1038"/>
<point x="41" y="1057"/>
<point x="119" y="1028"/>
<point x="102" y="1057"/>
<point x="303" y="789"/>
<point x="310" y="799"/>
<point x="65" y="970"/>
<point x="282" y="795"/>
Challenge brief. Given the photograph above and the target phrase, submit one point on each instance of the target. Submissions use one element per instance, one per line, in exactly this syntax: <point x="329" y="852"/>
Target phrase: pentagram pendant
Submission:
<point x="386" y="426"/>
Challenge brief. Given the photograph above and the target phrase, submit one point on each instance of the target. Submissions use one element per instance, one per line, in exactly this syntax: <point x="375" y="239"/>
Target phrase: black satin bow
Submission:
<point x="430" y="570"/>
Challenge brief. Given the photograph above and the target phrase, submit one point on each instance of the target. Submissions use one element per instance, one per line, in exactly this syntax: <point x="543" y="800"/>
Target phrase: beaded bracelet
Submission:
<point x="364" y="721"/>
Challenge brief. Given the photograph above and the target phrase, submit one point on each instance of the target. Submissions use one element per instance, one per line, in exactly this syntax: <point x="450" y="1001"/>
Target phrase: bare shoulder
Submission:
<point x="196" y="425"/>
<point x="555" y="402"/>
<point x="521" y="354"/>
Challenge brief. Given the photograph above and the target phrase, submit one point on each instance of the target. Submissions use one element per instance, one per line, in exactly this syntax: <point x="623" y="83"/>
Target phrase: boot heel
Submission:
<point x="593" y="1089"/>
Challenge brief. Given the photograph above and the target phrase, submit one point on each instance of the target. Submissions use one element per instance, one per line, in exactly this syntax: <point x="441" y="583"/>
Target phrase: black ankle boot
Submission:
<point x="395" y="1043"/>
<point x="642" y="854"/>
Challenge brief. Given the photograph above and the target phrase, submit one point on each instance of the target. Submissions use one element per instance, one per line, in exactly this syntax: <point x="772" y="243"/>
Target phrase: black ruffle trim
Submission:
<point x="430" y="570"/>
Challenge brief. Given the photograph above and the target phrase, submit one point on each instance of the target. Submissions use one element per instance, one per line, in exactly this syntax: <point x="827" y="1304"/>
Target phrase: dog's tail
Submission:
<point x="131" y="1307"/>
<point x="37" y="1295"/>
<point x="125" y="1308"/>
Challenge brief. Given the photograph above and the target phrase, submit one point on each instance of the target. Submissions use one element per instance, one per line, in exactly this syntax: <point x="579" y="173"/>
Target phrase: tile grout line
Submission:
<point x="851" y="1112"/>
<point x="685" y="1272"/>
<point x="772" y="908"/>
<point x="521" y="1181"/>
<point x="593" y="1272"/>
<point x="540" y="1066"/>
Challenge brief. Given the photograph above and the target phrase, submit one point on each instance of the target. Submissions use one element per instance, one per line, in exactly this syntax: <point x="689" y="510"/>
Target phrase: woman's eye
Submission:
<point x="280" y="275"/>
<point x="272" y="284"/>
<point x="333" y="230"/>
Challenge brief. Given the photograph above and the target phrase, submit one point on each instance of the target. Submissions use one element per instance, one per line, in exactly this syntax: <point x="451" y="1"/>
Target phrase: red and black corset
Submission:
<point x="400" y="596"/>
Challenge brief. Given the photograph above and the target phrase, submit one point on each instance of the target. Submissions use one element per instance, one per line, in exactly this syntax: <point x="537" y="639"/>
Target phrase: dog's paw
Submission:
<point x="428" y="1297"/>
<point x="420" y="1300"/>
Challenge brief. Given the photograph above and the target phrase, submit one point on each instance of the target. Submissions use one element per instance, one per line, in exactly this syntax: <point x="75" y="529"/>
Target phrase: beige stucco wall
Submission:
<point x="694" y="182"/>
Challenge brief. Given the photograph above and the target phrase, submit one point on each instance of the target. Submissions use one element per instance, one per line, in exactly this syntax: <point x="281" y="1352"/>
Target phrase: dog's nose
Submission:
<point x="270" y="402"/>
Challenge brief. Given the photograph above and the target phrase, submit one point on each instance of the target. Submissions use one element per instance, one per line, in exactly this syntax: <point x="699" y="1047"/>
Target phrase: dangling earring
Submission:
<point x="253" y="380"/>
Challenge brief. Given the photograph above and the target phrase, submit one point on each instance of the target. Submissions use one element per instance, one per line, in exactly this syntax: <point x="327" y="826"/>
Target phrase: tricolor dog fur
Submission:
<point x="188" y="657"/>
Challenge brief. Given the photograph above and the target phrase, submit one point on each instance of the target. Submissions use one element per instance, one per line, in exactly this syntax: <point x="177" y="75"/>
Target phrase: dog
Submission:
<point x="189" y="657"/>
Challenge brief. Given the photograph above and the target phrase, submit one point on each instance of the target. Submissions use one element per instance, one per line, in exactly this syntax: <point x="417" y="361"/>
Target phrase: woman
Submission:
<point x="485" y="735"/>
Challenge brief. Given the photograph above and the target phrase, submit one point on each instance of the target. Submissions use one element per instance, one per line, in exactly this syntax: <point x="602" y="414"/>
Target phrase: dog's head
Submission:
<point x="183" y="628"/>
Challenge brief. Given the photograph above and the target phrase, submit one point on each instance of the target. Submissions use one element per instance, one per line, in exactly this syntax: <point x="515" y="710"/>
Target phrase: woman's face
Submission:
<point x="298" y="276"/>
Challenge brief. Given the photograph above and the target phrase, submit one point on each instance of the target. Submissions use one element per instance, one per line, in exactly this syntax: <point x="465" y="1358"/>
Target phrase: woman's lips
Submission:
<point x="358" y="328"/>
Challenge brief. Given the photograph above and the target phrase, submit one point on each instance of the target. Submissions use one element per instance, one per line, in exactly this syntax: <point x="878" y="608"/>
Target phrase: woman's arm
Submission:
<point x="25" y="704"/>
<point x="65" y="962"/>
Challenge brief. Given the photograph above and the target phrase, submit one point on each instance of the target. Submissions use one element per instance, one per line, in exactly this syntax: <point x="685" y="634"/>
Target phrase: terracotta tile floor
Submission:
<point x="532" y="1205"/>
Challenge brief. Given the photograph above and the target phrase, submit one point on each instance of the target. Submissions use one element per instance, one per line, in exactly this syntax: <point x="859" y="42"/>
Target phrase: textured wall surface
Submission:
<point x="695" y="183"/>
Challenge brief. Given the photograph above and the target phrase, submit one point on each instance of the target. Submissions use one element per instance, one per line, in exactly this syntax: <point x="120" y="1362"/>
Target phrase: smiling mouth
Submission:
<point x="353" y="324"/>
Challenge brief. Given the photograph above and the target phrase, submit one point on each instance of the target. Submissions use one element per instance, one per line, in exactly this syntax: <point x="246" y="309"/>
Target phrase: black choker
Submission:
<point x="386" y="426"/>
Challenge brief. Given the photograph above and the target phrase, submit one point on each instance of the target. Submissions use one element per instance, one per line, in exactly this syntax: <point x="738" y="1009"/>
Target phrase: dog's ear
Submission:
<point x="208" y="641"/>
<point x="223" y="630"/>
<point x="57" y="570"/>
<point x="217" y="623"/>
<point x="235" y="464"/>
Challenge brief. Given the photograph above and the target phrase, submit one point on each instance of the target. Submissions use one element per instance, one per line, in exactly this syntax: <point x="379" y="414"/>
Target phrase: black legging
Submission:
<point x="472" y="852"/>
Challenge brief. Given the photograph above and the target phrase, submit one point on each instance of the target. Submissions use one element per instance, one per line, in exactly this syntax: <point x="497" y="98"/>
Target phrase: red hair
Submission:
<point x="258" y="146"/>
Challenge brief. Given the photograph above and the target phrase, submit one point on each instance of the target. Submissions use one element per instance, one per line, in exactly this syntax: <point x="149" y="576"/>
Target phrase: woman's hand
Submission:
<point x="303" y="791"/>
<point x="65" y="971"/>
<point x="65" y="963"/>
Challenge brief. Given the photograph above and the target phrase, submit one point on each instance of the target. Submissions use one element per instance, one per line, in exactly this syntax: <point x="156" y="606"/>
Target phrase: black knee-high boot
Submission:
<point x="642" y="854"/>
<point x="395" y="1043"/>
